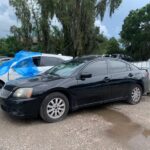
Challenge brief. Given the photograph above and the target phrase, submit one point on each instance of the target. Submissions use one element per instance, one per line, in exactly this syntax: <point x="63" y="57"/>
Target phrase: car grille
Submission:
<point x="4" y="93"/>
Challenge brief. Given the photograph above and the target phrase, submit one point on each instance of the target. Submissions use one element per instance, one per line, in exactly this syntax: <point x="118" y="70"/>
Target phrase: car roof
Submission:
<point x="87" y="57"/>
<point x="96" y="57"/>
<point x="58" y="56"/>
<point x="65" y="58"/>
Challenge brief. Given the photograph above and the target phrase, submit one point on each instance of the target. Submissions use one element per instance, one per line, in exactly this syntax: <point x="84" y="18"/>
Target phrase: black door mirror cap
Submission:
<point x="85" y="75"/>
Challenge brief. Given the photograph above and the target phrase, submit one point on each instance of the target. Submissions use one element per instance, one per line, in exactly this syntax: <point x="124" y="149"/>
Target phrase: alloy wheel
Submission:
<point x="56" y="108"/>
<point x="136" y="94"/>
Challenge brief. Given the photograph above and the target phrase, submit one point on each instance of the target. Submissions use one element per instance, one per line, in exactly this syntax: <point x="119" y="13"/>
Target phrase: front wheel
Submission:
<point x="54" y="107"/>
<point x="135" y="95"/>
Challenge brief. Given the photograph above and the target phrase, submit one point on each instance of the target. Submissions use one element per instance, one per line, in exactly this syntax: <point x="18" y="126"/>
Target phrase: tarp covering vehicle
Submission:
<point x="24" y="68"/>
<point x="28" y="64"/>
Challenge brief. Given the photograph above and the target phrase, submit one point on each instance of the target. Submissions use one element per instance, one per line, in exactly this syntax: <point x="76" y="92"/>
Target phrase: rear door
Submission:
<point x="120" y="78"/>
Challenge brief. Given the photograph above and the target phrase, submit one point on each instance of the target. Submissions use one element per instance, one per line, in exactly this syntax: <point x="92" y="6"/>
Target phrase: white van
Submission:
<point x="42" y="62"/>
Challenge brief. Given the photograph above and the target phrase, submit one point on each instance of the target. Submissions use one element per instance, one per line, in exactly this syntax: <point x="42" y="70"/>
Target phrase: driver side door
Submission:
<point x="96" y="88"/>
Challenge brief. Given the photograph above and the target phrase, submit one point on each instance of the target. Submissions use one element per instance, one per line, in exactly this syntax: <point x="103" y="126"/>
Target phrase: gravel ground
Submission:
<point x="116" y="126"/>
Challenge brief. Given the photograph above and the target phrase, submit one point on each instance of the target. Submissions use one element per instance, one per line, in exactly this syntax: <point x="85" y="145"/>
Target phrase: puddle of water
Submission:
<point x="125" y="131"/>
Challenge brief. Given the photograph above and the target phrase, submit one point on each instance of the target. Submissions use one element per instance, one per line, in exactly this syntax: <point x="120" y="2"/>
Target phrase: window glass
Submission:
<point x="50" y="61"/>
<point x="36" y="61"/>
<point x="96" y="68"/>
<point x="118" y="66"/>
<point x="133" y="67"/>
<point x="65" y="69"/>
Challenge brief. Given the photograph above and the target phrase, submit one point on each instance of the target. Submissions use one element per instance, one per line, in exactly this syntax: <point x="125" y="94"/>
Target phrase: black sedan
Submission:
<point x="81" y="82"/>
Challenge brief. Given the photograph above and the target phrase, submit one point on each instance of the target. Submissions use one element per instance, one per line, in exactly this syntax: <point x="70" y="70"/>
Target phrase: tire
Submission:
<point x="54" y="107"/>
<point x="135" y="94"/>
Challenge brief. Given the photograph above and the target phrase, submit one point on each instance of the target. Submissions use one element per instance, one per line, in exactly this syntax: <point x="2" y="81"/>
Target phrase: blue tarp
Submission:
<point x="25" y="65"/>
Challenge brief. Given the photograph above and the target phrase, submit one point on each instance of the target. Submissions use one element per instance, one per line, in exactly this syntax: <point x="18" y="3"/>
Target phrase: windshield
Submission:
<point x="65" y="69"/>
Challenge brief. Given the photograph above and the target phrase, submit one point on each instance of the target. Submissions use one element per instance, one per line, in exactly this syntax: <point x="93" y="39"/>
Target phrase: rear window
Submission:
<point x="50" y="61"/>
<point x="46" y="61"/>
<point x="36" y="61"/>
<point x="118" y="67"/>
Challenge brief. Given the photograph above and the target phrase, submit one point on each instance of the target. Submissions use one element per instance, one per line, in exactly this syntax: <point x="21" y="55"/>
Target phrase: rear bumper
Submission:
<point x="22" y="108"/>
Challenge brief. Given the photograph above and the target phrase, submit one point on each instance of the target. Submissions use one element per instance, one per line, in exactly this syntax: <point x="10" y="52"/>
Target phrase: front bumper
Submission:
<point x="22" y="107"/>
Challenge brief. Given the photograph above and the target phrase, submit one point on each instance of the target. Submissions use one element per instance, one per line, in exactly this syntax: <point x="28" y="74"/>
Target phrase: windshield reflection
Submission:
<point x="65" y="69"/>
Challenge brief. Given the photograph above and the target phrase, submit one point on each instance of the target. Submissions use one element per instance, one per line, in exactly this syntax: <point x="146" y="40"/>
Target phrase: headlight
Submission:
<point x="23" y="93"/>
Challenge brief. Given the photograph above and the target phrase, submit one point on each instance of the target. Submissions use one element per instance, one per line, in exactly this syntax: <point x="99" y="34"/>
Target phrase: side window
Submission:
<point x="50" y="61"/>
<point x="118" y="66"/>
<point x="36" y="61"/>
<point x="96" y="68"/>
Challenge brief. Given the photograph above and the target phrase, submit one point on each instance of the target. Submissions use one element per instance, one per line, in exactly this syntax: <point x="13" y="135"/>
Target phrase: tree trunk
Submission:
<point x="45" y="30"/>
<point x="77" y="30"/>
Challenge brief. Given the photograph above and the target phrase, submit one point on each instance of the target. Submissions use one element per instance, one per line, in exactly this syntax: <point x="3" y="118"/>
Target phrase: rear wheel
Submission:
<point x="135" y="94"/>
<point x="54" y="107"/>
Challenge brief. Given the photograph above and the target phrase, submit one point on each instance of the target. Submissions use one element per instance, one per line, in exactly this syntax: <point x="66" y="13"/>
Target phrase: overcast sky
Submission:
<point x="110" y="26"/>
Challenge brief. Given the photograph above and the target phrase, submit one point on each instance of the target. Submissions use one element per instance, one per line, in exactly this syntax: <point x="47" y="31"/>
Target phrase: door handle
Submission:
<point x="106" y="79"/>
<point x="130" y="75"/>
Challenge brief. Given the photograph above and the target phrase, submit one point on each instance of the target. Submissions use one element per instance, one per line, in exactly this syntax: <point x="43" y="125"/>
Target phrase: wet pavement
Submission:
<point x="125" y="131"/>
<point x="115" y="126"/>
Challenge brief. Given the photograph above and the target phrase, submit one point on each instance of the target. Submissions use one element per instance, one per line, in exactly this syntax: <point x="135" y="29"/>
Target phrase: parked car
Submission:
<point x="26" y="64"/>
<point x="72" y="85"/>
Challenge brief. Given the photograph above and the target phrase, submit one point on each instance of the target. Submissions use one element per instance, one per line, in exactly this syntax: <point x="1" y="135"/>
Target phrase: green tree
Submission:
<point x="112" y="5"/>
<point x="35" y="15"/>
<point x="57" y="40"/>
<point x="9" y="46"/>
<point x="23" y="14"/>
<point x="47" y="13"/>
<point x="77" y="18"/>
<point x="113" y="46"/>
<point x="135" y="33"/>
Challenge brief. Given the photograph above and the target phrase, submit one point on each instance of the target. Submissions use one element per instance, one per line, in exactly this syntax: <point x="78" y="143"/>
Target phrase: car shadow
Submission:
<point x="90" y="109"/>
<point x="94" y="108"/>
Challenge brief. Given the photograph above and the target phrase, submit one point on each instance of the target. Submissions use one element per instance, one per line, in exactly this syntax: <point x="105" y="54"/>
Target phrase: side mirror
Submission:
<point x="85" y="75"/>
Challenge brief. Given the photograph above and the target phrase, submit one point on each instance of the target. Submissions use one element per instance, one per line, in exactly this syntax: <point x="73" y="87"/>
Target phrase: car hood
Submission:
<point x="34" y="81"/>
